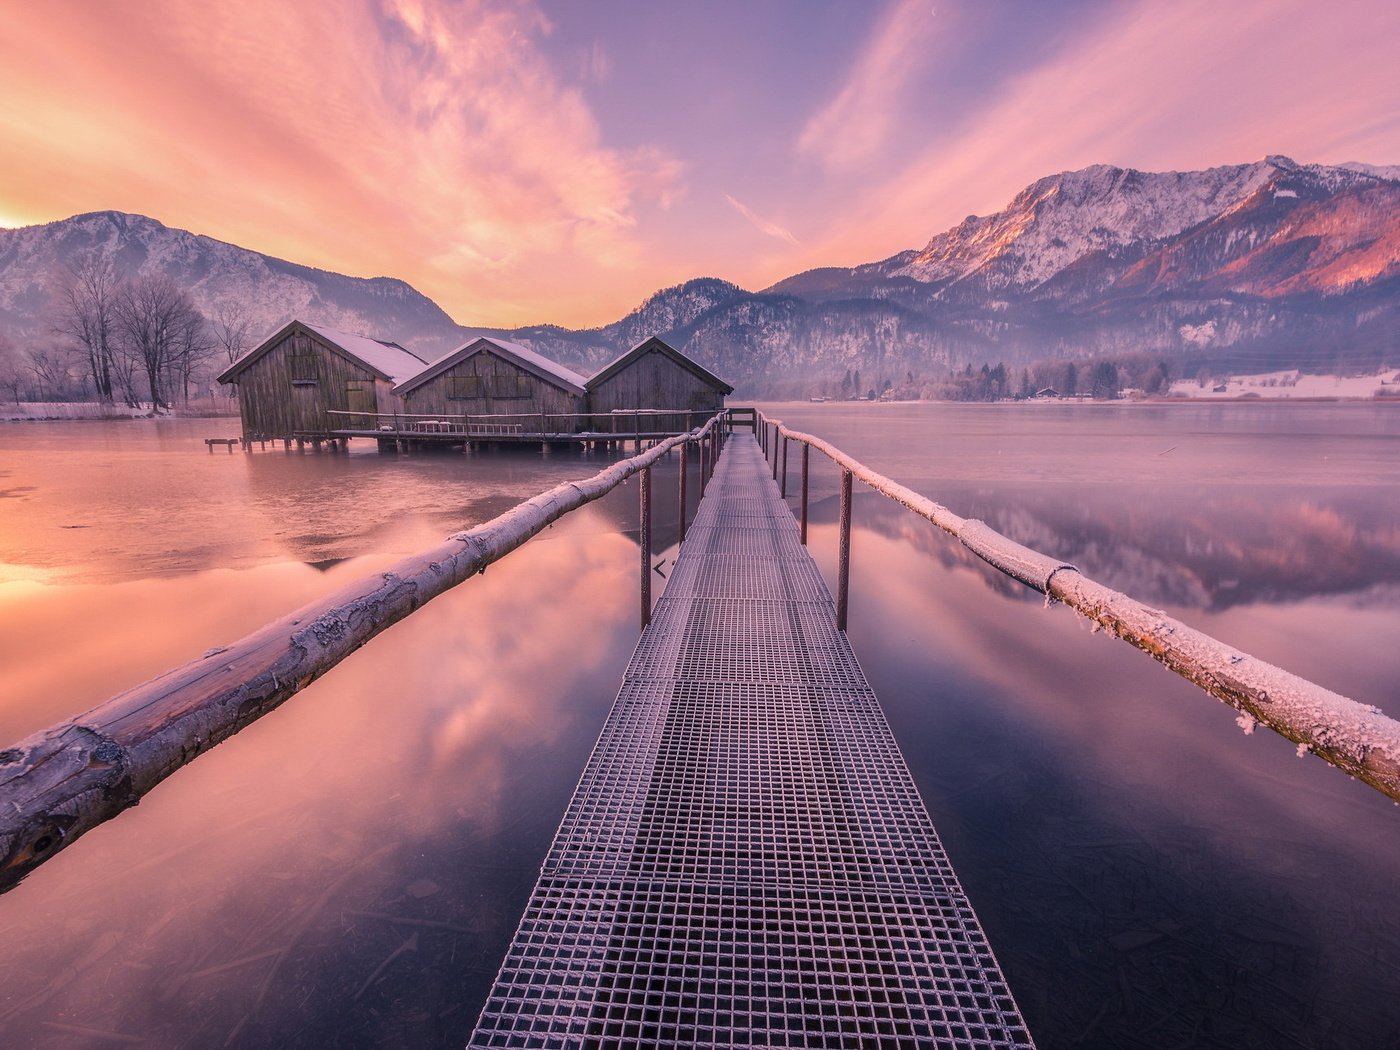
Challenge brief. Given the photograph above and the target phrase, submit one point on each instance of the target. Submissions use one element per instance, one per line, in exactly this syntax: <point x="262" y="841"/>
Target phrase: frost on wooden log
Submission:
<point x="1356" y="738"/>
<point x="61" y="782"/>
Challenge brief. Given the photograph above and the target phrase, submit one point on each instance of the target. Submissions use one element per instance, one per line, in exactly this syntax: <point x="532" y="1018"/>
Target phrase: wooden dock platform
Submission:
<point x="746" y="860"/>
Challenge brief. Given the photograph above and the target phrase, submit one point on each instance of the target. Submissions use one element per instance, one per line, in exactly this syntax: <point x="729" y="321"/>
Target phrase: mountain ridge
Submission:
<point x="1280" y="262"/>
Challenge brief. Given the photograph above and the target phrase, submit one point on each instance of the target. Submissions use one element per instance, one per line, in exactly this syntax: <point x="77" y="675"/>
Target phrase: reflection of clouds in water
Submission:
<point x="416" y="750"/>
<point x="1091" y="798"/>
<point x="1111" y="707"/>
<point x="1211" y="552"/>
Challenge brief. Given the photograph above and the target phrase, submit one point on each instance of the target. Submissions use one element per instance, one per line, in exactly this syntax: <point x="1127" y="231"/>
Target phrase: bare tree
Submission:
<point x="12" y="378"/>
<point x="232" y="330"/>
<point x="194" y="345"/>
<point x="51" y="375"/>
<point x="156" y="318"/>
<point x="87" y="297"/>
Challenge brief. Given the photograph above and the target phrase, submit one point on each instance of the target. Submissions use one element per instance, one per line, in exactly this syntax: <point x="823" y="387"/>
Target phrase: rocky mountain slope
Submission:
<point x="1253" y="266"/>
<point x="1271" y="264"/>
<point x="216" y="274"/>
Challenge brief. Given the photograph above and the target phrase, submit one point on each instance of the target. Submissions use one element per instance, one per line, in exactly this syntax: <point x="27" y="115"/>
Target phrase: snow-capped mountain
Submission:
<point x="1289" y="263"/>
<point x="1280" y="263"/>
<point x="216" y="274"/>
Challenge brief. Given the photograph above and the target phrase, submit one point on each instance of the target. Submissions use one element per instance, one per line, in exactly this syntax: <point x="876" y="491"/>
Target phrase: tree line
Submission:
<point x="1099" y="378"/>
<point x="132" y="340"/>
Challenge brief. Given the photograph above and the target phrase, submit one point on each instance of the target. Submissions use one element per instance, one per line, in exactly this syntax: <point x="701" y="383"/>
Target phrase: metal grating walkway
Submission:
<point x="746" y="861"/>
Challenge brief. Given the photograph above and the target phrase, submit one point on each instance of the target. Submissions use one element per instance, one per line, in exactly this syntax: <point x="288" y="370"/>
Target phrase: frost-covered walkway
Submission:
<point x="745" y="859"/>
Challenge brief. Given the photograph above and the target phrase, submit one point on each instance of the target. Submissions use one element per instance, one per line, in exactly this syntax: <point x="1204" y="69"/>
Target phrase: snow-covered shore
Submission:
<point x="1291" y="384"/>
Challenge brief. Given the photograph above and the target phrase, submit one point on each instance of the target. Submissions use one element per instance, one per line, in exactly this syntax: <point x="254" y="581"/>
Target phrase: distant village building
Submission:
<point x="493" y="377"/>
<point x="1047" y="391"/>
<point x="653" y="375"/>
<point x="300" y="377"/>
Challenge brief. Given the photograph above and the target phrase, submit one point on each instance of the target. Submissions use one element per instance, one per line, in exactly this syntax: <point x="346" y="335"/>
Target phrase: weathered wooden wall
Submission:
<point x="487" y="384"/>
<point x="288" y="389"/>
<point x="654" y="380"/>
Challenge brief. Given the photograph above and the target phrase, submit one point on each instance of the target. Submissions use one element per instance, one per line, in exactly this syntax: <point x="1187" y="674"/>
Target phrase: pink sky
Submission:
<point x="529" y="162"/>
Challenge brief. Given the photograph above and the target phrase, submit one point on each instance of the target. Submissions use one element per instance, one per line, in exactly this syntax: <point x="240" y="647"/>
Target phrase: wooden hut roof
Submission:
<point x="385" y="359"/>
<point x="703" y="374"/>
<point x="536" y="364"/>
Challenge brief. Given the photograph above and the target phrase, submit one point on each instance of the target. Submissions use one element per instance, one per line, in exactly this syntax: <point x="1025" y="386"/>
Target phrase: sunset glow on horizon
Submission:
<point x="541" y="162"/>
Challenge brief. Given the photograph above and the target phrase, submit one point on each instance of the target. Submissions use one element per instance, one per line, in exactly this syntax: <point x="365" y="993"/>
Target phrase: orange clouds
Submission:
<point x="427" y="141"/>
<point x="517" y="173"/>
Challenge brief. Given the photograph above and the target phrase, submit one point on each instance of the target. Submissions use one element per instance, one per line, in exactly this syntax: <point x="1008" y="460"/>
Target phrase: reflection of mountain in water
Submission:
<point x="1187" y="548"/>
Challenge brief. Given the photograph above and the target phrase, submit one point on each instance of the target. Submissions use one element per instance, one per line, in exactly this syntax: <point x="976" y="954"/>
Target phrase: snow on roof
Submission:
<point x="385" y="357"/>
<point x="390" y="360"/>
<point x="655" y="343"/>
<point x="551" y="371"/>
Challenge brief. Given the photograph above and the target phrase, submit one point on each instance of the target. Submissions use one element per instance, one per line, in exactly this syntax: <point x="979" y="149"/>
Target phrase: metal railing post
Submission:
<point x="646" y="546"/>
<point x="704" y="464"/>
<point x="685" y="469"/>
<point x="843" y="570"/>
<point x="782" y="485"/>
<point x="806" y="452"/>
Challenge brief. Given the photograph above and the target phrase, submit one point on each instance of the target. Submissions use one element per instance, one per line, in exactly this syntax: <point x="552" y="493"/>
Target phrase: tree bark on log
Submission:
<point x="63" y="781"/>
<point x="1357" y="738"/>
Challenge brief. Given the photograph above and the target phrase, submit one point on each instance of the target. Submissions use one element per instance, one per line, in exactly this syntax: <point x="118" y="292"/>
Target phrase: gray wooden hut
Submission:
<point x="291" y="382"/>
<point x="500" y="379"/>
<point x="654" y="375"/>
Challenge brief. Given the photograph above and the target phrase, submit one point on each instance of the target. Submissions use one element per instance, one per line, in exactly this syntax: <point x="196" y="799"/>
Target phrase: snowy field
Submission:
<point x="1385" y="383"/>
<point x="68" y="410"/>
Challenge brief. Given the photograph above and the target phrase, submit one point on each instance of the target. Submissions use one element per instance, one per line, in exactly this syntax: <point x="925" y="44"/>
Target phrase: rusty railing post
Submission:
<point x="685" y="469"/>
<point x="646" y="547"/>
<point x="843" y="570"/>
<point x="806" y="452"/>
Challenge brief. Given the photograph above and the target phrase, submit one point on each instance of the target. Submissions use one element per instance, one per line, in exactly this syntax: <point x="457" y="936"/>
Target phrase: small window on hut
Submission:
<point x="509" y="387"/>
<point x="302" y="361"/>
<point x="463" y="388"/>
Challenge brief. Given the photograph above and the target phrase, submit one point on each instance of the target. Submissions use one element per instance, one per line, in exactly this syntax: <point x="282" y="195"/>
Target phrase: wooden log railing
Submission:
<point x="1357" y="738"/>
<point x="62" y="782"/>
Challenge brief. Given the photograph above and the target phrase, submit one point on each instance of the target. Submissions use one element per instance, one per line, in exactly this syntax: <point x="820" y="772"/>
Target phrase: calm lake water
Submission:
<point x="348" y="871"/>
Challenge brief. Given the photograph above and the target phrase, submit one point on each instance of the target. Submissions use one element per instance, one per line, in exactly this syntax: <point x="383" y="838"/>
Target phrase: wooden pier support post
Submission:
<point x="843" y="570"/>
<point x="806" y="453"/>
<point x="646" y="547"/>
<point x="685" y="469"/>
<point x="782" y="485"/>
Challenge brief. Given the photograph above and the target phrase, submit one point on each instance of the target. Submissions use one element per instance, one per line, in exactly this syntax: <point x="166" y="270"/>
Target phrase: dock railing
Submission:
<point x="618" y="424"/>
<point x="1357" y="738"/>
<point x="62" y="782"/>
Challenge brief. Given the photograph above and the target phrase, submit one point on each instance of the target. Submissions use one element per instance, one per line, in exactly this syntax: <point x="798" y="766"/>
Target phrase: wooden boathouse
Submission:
<point x="312" y="383"/>
<point x="656" y="375"/>
<point x="291" y="383"/>
<point x="494" y="377"/>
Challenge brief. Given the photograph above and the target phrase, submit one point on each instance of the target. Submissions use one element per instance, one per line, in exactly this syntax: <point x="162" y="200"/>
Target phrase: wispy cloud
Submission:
<point x="1158" y="86"/>
<point x="595" y="66"/>
<point x="771" y="229"/>
<point x="852" y="128"/>
<point x="423" y="138"/>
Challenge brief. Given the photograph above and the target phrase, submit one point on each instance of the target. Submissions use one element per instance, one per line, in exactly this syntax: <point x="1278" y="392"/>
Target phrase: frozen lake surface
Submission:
<point x="348" y="871"/>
